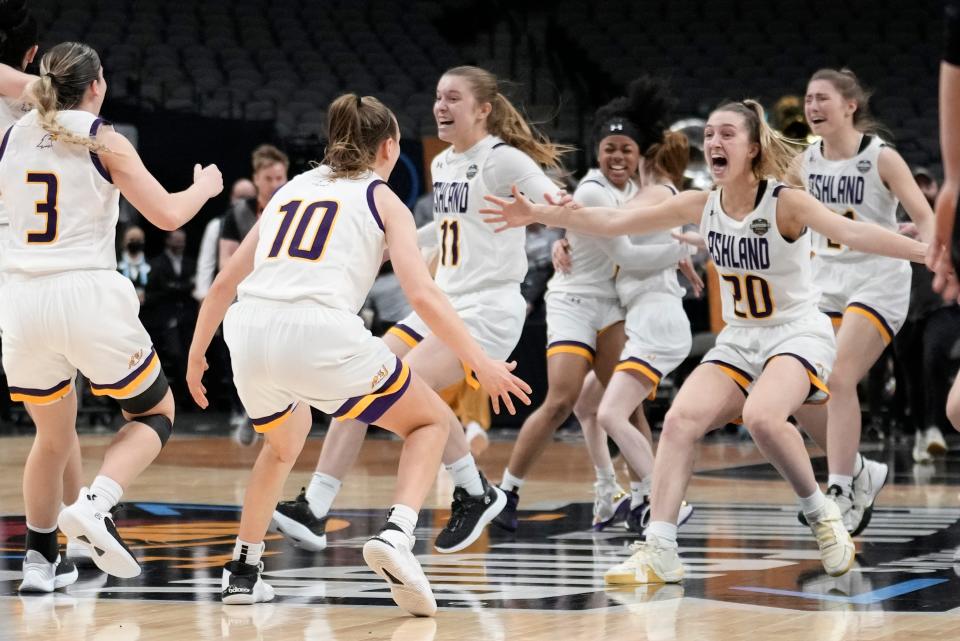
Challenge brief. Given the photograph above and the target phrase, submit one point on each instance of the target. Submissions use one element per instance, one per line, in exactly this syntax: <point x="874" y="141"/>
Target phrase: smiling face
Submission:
<point x="619" y="158"/>
<point x="826" y="110"/>
<point x="727" y="146"/>
<point x="460" y="117"/>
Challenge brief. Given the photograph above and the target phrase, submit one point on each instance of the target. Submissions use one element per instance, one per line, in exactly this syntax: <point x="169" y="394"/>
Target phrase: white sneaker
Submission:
<point x="653" y="561"/>
<point x="866" y="486"/>
<point x="920" y="452"/>
<point x="388" y="554"/>
<point x="39" y="575"/>
<point x="84" y="523"/>
<point x="610" y="504"/>
<point x="241" y="584"/>
<point x="936" y="445"/>
<point x="79" y="553"/>
<point x="837" y="552"/>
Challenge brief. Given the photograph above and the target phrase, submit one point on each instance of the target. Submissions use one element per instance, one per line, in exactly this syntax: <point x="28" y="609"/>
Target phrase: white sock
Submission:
<point x="322" y="490"/>
<point x="606" y="474"/>
<point x="666" y="532"/>
<point x="466" y="475"/>
<point x="510" y="483"/>
<point x="845" y="483"/>
<point x="639" y="490"/>
<point x="403" y="517"/>
<point x="105" y="493"/>
<point x="42" y="530"/>
<point x="813" y="505"/>
<point x="248" y="553"/>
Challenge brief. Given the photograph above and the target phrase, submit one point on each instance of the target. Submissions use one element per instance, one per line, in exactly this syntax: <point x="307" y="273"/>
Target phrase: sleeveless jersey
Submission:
<point x="321" y="241"/>
<point x="472" y="255"/>
<point x="62" y="205"/>
<point x="764" y="278"/>
<point x="630" y="284"/>
<point x="593" y="271"/>
<point x="11" y="110"/>
<point x="851" y="187"/>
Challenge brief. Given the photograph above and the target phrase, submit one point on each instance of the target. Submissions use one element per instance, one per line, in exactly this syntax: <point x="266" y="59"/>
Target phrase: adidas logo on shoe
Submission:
<point x="234" y="589"/>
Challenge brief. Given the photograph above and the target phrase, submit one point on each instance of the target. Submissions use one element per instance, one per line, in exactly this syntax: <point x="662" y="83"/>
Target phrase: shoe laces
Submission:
<point x="458" y="509"/>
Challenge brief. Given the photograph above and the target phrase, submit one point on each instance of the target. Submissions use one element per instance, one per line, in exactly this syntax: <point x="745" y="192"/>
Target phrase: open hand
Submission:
<point x="196" y="366"/>
<point x="509" y="214"/>
<point x="499" y="383"/>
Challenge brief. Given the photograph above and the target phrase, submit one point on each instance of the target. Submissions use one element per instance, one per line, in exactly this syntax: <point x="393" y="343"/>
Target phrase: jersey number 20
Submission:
<point x="757" y="292"/>
<point x="46" y="207"/>
<point x="297" y="248"/>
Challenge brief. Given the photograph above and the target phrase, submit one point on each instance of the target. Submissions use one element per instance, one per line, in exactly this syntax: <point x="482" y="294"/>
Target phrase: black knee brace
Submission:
<point x="148" y="398"/>
<point x="159" y="423"/>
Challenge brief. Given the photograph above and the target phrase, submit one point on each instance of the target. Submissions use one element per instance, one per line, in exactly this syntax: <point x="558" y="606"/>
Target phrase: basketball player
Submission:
<point x="296" y="341"/>
<point x="853" y="172"/>
<point x="777" y="347"/>
<point x="583" y="308"/>
<point x="64" y="306"/>
<point x="492" y="147"/>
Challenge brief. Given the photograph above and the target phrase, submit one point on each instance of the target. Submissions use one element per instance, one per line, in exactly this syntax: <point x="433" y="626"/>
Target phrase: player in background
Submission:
<point x="65" y="308"/>
<point x="777" y="347"/>
<point x="296" y="341"/>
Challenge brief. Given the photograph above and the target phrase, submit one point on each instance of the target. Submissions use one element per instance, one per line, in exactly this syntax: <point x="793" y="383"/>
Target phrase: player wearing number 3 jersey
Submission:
<point x="776" y="349"/>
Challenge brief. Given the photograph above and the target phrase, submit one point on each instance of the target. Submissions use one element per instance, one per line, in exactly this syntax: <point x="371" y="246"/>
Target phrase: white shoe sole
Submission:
<point x="641" y="576"/>
<point x="298" y="534"/>
<point x="265" y="596"/>
<point x="33" y="582"/>
<point x="382" y="559"/>
<point x="105" y="551"/>
<point x="488" y="515"/>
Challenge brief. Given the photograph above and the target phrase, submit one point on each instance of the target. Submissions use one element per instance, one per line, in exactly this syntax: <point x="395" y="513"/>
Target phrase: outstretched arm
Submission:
<point x="895" y="173"/>
<point x="599" y="221"/>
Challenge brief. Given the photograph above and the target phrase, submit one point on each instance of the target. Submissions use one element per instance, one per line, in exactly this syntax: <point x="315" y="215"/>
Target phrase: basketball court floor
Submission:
<point x="753" y="571"/>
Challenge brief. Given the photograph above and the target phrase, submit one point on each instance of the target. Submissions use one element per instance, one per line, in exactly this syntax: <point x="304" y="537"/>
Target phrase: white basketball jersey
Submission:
<point x="472" y="255"/>
<point x="592" y="270"/>
<point x="851" y="187"/>
<point x="631" y="283"/>
<point x="62" y="205"/>
<point x="11" y="110"/>
<point x="321" y="241"/>
<point x="764" y="278"/>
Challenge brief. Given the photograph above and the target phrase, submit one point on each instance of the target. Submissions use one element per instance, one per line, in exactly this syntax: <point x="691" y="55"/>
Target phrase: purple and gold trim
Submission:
<point x="372" y="204"/>
<point x="129" y="383"/>
<point x="94" y="156"/>
<point x="470" y="377"/>
<point x="819" y="394"/>
<point x="632" y="364"/>
<point x="407" y="335"/>
<point x="3" y="144"/>
<point x="836" y="318"/>
<point x="878" y="321"/>
<point x="41" y="396"/>
<point x="571" y="347"/>
<point x="740" y="377"/>
<point x="268" y="423"/>
<point x="369" y="407"/>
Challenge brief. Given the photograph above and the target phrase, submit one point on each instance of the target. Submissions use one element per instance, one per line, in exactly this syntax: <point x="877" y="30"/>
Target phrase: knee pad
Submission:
<point x="148" y="398"/>
<point x="159" y="423"/>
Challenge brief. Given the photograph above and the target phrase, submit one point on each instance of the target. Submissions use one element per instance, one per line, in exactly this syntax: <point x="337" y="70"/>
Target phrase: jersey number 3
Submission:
<point x="46" y="207"/>
<point x="297" y="248"/>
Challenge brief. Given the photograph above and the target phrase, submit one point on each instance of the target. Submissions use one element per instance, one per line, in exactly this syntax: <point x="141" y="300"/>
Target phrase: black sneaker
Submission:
<point x="469" y="515"/>
<point x="507" y="519"/>
<point x="296" y="521"/>
<point x="241" y="584"/>
<point x="639" y="517"/>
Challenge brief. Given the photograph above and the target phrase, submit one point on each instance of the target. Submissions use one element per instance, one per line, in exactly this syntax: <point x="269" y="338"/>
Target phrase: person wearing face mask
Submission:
<point x="133" y="263"/>
<point x="169" y="310"/>
<point x="777" y="348"/>
<point x="853" y="172"/>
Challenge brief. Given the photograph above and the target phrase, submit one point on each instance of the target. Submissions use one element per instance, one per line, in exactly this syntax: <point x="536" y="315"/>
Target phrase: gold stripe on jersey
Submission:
<point x="273" y="421"/>
<point x="872" y="315"/>
<point x="399" y="383"/>
<point x="741" y="378"/>
<point x="41" y="397"/>
<point x="407" y="335"/>
<point x="570" y="347"/>
<point x="125" y="387"/>
<point x="639" y="365"/>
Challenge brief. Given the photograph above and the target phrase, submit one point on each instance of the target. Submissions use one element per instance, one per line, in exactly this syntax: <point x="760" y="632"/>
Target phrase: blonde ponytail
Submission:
<point x="355" y="128"/>
<point x="65" y="73"/>
<point x="506" y="122"/>
<point x="776" y="151"/>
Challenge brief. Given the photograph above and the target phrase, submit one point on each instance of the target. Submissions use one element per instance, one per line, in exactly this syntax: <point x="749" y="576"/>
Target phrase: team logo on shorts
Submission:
<point x="135" y="359"/>
<point x="382" y="374"/>
<point x="760" y="226"/>
<point x="472" y="171"/>
<point x="46" y="142"/>
<point x="864" y="166"/>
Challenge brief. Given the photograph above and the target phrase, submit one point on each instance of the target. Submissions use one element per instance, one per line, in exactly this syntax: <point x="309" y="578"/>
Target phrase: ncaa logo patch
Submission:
<point x="472" y="171"/>
<point x="760" y="226"/>
<point x="864" y="166"/>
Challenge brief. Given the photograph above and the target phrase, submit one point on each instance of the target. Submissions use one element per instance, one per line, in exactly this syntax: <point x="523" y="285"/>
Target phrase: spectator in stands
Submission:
<point x="270" y="166"/>
<point x="207" y="259"/>
<point x="169" y="312"/>
<point x="133" y="262"/>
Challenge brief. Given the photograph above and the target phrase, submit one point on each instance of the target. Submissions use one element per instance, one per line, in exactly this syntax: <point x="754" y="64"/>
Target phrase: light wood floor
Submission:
<point x="195" y="470"/>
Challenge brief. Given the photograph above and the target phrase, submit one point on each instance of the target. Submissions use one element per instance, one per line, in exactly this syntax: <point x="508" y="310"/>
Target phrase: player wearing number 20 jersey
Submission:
<point x="768" y="297"/>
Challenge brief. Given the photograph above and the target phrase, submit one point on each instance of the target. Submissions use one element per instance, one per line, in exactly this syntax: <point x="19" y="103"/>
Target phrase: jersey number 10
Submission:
<point x="297" y="248"/>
